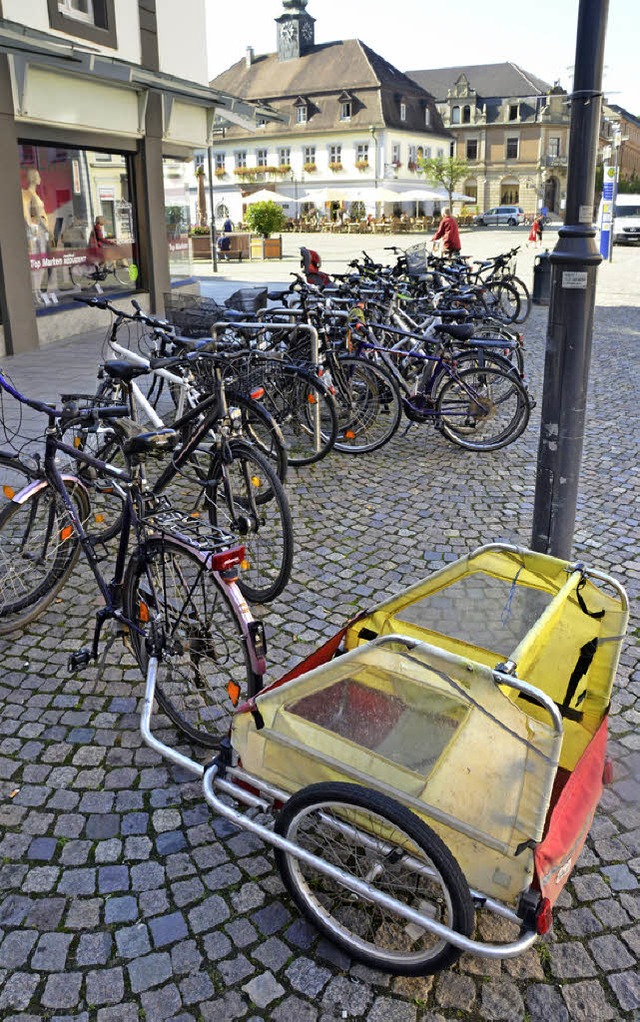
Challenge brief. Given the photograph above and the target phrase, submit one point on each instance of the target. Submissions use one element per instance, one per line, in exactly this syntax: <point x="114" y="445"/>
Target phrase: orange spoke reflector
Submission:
<point x="66" y="532"/>
<point x="245" y="565"/>
<point x="143" y="612"/>
<point x="194" y="514"/>
<point x="77" y="442"/>
<point x="98" y="518"/>
<point x="233" y="691"/>
<point x="9" y="492"/>
<point x="350" y="435"/>
<point x="256" y="481"/>
<point x="312" y="399"/>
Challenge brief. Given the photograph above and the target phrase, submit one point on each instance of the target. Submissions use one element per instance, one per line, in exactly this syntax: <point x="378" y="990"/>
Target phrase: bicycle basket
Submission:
<point x="416" y="259"/>
<point x="192" y="315"/>
<point x="248" y="299"/>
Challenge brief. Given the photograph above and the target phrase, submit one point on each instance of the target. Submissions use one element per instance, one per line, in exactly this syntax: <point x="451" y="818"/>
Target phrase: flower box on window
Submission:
<point x="335" y="167"/>
<point x="396" y="164"/>
<point x="362" y="164"/>
<point x="247" y="172"/>
<point x="220" y="172"/>
<point x="412" y="166"/>
<point x="284" y="168"/>
<point x="310" y="168"/>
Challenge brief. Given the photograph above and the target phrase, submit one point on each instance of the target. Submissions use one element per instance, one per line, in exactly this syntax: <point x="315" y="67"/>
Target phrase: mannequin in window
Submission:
<point x="37" y="228"/>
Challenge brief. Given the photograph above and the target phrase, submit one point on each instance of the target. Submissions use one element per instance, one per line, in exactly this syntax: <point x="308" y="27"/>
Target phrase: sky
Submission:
<point x="539" y="36"/>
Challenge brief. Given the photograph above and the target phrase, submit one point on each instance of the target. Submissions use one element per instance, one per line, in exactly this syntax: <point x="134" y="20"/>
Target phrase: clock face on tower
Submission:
<point x="306" y="31"/>
<point x="289" y="39"/>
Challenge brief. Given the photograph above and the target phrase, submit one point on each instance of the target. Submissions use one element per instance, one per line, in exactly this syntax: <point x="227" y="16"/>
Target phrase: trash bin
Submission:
<point x="541" y="293"/>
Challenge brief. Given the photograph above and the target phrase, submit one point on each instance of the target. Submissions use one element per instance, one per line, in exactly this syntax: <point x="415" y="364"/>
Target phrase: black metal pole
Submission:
<point x="574" y="264"/>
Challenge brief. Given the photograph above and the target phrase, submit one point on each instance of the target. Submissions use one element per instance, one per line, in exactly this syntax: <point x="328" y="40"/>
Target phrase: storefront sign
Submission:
<point x="179" y="245"/>
<point x="61" y="258"/>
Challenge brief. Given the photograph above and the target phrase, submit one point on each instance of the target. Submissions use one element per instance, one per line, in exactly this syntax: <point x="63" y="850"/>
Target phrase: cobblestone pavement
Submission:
<point x="123" y="898"/>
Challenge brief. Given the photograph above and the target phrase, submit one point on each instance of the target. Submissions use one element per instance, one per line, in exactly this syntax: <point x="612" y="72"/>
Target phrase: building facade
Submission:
<point x="513" y="129"/>
<point x="102" y="103"/>
<point x="356" y="125"/>
<point x="621" y="131"/>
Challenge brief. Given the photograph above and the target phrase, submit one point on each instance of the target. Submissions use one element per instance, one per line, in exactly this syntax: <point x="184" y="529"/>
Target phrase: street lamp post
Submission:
<point x="574" y="264"/>
<point x="374" y="140"/>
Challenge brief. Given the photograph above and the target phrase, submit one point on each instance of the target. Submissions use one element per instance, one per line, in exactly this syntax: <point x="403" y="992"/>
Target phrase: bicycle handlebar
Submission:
<point x="97" y="302"/>
<point x="69" y="411"/>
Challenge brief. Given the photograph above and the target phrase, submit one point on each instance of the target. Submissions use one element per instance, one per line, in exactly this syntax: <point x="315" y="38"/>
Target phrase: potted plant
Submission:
<point x="200" y="240"/>
<point x="245" y="172"/>
<point x="265" y="218"/>
<point x="220" y="172"/>
<point x="362" y="165"/>
<point x="335" y="167"/>
<point x="412" y="166"/>
<point x="270" y="170"/>
<point x="284" y="168"/>
<point x="310" y="168"/>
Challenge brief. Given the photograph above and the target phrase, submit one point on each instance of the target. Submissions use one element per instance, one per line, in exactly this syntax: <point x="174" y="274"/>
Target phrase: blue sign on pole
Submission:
<point x="606" y="211"/>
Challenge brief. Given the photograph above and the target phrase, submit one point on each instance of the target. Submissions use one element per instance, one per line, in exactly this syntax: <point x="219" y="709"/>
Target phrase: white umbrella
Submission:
<point x="425" y="194"/>
<point x="264" y="195"/>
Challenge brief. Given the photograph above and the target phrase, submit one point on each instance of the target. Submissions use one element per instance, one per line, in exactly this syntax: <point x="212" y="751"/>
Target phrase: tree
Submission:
<point x="202" y="199"/>
<point x="265" y="218"/>
<point x="445" y="171"/>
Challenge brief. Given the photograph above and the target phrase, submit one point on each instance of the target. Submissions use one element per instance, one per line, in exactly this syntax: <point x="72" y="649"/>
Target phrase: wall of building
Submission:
<point x="35" y="14"/>
<point x="182" y="39"/>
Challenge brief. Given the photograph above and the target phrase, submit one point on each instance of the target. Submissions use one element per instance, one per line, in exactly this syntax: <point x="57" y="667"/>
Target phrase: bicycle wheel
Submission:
<point x="261" y="429"/>
<point x="83" y="275"/>
<point x="243" y="495"/>
<point x="204" y="665"/>
<point x="369" y="405"/>
<point x="483" y="408"/>
<point x="375" y="839"/>
<point x="120" y="271"/>
<point x="303" y="407"/>
<point x="38" y="550"/>
<point x="507" y="346"/>
<point x="507" y="301"/>
<point x="523" y="295"/>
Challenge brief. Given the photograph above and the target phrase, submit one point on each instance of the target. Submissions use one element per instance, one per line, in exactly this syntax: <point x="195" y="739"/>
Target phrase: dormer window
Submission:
<point x="513" y="111"/>
<point x="345" y="99"/>
<point x="403" y="111"/>
<point x="302" y="110"/>
<point x="427" y="117"/>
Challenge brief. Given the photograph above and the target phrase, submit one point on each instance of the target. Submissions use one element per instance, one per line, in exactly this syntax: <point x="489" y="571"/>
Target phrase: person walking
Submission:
<point x="448" y="235"/>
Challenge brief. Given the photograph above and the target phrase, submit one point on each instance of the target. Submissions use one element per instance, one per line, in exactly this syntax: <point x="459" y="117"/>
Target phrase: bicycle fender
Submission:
<point x="41" y="484"/>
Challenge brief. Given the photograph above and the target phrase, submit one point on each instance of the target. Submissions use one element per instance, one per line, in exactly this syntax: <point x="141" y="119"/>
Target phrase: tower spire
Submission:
<point x="295" y="30"/>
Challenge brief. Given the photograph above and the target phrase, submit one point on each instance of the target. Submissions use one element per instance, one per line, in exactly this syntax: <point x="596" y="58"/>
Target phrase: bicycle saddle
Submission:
<point x="120" y="369"/>
<point x="156" y="442"/>
<point x="461" y="331"/>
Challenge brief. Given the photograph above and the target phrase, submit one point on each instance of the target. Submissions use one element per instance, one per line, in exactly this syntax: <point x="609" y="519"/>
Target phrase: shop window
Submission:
<point x="179" y="217"/>
<point x="79" y="222"/>
<point x="87" y="19"/>
<point x="470" y="188"/>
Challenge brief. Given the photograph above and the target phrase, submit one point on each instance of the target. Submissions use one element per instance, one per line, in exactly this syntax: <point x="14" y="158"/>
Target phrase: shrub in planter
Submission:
<point x="265" y="218"/>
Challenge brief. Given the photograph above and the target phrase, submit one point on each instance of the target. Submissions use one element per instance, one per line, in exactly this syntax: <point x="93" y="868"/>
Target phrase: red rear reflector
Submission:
<point x="608" y="774"/>
<point x="257" y="393"/>
<point x="227" y="558"/>
<point x="544" y="917"/>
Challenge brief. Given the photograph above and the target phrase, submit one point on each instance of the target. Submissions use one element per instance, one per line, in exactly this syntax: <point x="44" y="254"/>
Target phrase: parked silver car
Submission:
<point x="499" y="215"/>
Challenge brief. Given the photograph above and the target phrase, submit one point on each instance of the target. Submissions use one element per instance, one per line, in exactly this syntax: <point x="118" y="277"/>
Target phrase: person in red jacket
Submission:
<point x="448" y="234"/>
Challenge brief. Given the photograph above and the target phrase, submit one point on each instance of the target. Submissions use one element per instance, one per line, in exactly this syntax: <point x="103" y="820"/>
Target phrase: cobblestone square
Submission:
<point x="122" y="897"/>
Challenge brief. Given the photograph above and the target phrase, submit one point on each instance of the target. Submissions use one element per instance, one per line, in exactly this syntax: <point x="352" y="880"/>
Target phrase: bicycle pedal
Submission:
<point x="80" y="659"/>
